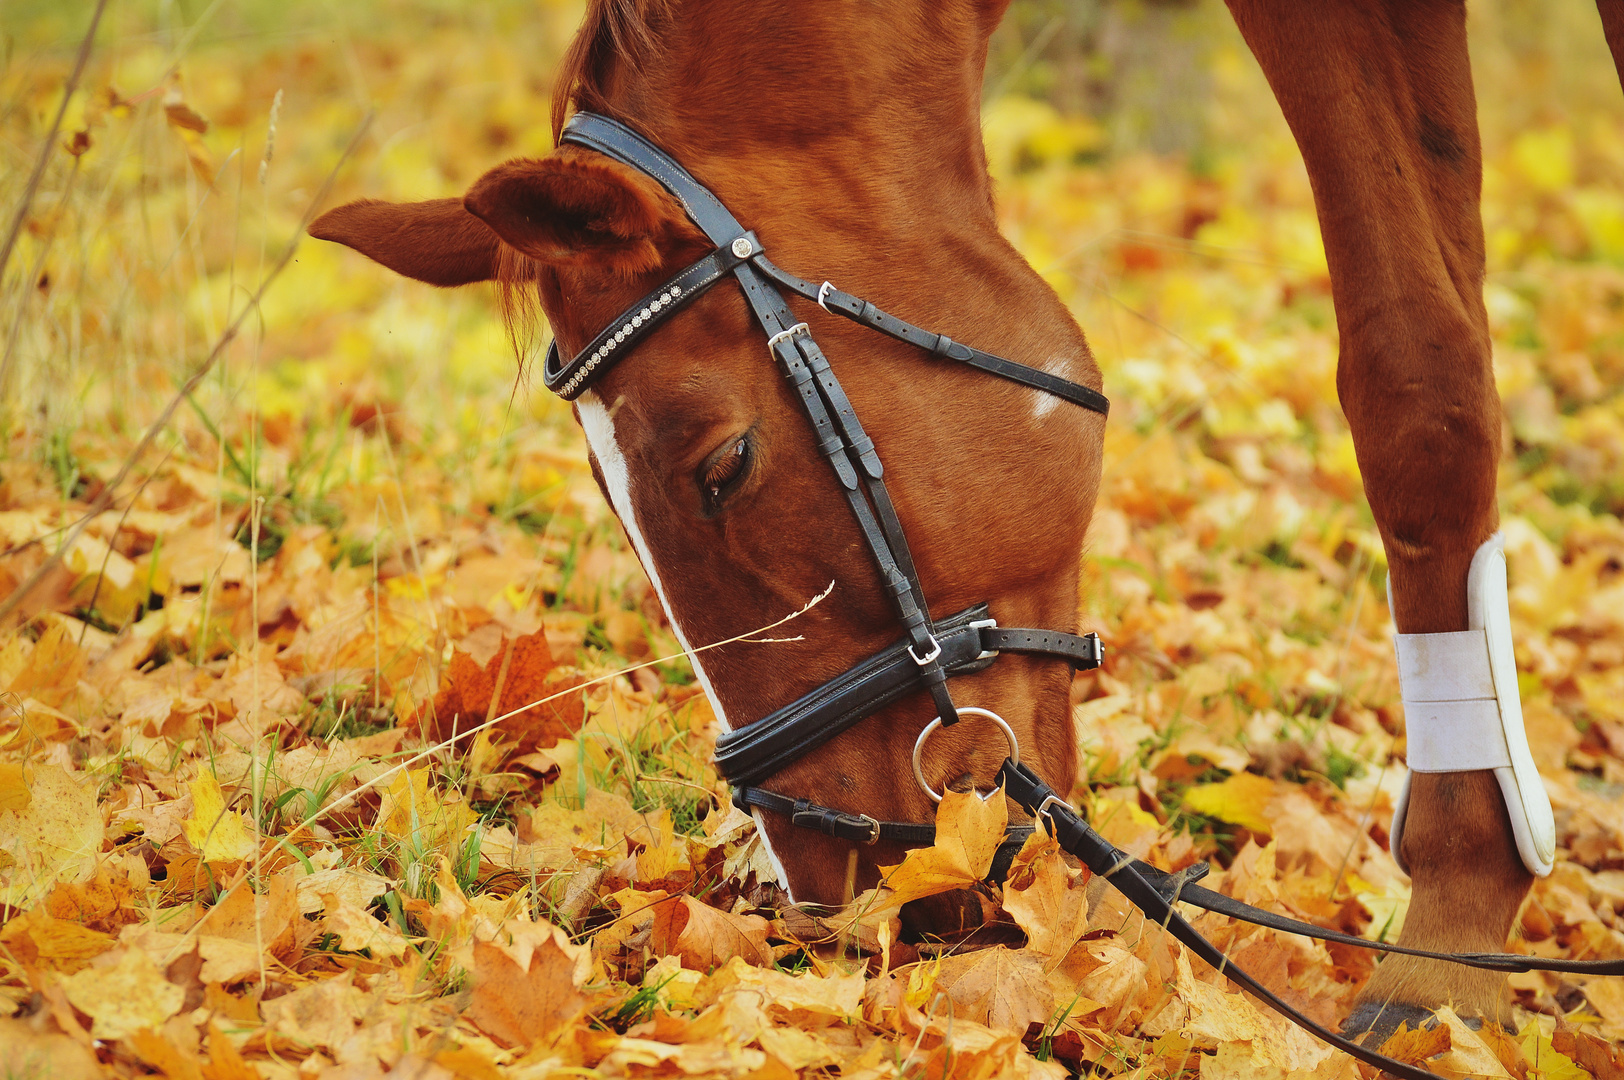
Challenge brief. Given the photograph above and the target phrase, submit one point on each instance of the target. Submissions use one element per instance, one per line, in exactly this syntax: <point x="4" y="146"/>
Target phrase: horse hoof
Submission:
<point x="1374" y="1022"/>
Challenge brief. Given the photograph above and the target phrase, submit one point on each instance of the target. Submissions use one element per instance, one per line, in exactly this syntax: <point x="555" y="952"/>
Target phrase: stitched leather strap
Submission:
<point x="969" y="641"/>
<point x="570" y="380"/>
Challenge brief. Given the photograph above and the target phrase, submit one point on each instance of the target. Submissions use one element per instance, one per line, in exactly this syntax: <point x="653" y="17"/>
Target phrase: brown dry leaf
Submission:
<point x="1219" y="1016"/>
<point x="53" y="668"/>
<point x="321" y="1013"/>
<point x="1603" y="1060"/>
<point x="464" y="700"/>
<point x="349" y="884"/>
<point x="36" y="938"/>
<point x="805" y="999"/>
<point x="968" y="832"/>
<point x="1004" y="988"/>
<point x="1416" y="1045"/>
<point x="705" y="938"/>
<point x="358" y="930"/>
<point x="158" y="1051"/>
<point x="1046" y="898"/>
<point x="123" y="996"/>
<point x="13" y="788"/>
<point x="533" y="1004"/>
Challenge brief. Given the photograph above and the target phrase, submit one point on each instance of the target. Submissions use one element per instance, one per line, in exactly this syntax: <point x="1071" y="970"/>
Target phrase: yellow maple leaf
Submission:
<point x="219" y="835"/>
<point x="968" y="832"/>
<point x="1239" y="800"/>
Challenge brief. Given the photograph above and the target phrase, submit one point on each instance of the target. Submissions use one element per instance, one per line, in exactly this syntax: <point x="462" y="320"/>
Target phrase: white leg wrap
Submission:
<point x="1462" y="711"/>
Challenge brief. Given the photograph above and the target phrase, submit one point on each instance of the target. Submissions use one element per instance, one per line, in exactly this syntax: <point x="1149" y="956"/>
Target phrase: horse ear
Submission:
<point x="579" y="208"/>
<point x="437" y="241"/>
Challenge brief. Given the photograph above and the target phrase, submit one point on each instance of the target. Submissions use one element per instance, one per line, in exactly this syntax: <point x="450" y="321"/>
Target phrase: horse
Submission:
<point x="847" y="138"/>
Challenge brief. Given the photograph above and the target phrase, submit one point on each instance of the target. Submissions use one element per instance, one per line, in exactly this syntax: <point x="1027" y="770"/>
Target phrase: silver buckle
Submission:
<point x="785" y="335"/>
<point x="935" y="651"/>
<point x="823" y="292"/>
<point x="985" y="624"/>
<point x="1042" y="807"/>
<point x="874" y="830"/>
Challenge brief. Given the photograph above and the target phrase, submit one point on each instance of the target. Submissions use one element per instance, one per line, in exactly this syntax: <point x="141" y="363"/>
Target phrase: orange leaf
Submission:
<point x="464" y="700"/>
<point x="706" y="938"/>
<point x="525" y="1006"/>
<point x="1415" y="1045"/>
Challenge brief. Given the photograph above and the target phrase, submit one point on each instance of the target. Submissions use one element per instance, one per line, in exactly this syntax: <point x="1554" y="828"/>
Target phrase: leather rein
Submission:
<point x="931" y="651"/>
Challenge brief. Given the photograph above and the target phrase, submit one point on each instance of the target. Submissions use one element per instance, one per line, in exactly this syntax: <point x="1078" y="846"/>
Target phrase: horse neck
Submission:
<point x="865" y="116"/>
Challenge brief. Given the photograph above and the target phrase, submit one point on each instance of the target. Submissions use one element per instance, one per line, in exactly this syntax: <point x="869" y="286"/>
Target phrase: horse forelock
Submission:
<point x="625" y="29"/>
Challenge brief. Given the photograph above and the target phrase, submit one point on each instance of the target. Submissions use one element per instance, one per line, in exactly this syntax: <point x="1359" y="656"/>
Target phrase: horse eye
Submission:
<point x="724" y="470"/>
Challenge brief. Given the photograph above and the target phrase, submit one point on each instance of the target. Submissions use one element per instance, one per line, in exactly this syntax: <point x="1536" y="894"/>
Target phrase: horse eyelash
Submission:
<point x="718" y="475"/>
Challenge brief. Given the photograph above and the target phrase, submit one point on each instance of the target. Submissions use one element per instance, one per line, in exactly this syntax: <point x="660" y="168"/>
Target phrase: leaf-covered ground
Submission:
<point x="244" y="829"/>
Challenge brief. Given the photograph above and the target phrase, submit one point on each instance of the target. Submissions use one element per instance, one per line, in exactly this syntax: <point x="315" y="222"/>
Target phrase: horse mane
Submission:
<point x="612" y="29"/>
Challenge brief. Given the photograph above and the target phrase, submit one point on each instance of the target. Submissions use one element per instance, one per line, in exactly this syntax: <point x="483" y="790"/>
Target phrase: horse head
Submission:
<point x="851" y="165"/>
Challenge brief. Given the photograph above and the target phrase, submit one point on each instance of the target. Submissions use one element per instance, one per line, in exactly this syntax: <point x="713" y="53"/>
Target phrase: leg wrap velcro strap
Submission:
<point x="1462" y="711"/>
<point x="1451" y="712"/>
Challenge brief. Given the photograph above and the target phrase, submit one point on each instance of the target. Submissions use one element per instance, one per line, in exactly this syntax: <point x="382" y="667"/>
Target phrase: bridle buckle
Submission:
<point x="985" y="624"/>
<point x="1044" y="806"/>
<point x="785" y="335"/>
<point x="823" y="294"/>
<point x="935" y="651"/>
<point x="873" y="829"/>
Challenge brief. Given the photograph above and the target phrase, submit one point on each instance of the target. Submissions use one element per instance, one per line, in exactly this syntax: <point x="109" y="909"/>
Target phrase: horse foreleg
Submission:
<point x="1379" y="96"/>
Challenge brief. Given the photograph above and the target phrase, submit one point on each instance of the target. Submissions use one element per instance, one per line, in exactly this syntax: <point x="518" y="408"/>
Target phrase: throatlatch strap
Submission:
<point x="866" y="314"/>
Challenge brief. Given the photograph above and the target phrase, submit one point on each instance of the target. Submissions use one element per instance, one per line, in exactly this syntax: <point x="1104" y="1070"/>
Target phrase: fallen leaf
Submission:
<point x="359" y="931"/>
<point x="525" y="668"/>
<point x="56" y="839"/>
<point x="123" y="996"/>
<point x="532" y="1004"/>
<point x="968" y="832"/>
<point x="41" y="1052"/>
<point x="1004" y="988"/>
<point x="219" y="835"/>
<point x="1240" y="799"/>
<point x="705" y="938"/>
<point x="1046" y="898"/>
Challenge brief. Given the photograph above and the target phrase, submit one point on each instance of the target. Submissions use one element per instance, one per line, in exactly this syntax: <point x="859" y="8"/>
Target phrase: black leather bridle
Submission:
<point x="931" y="650"/>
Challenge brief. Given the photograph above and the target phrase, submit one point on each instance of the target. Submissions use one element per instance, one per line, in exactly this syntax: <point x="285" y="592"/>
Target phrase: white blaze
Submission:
<point x="1060" y="367"/>
<point x="599" y="427"/>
